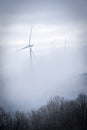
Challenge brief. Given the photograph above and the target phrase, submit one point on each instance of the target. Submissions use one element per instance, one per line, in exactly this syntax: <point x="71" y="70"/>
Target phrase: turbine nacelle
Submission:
<point x="31" y="45"/>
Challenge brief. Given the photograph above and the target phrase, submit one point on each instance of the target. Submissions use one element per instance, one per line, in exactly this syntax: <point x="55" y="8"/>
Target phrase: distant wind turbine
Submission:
<point x="65" y="44"/>
<point x="29" y="46"/>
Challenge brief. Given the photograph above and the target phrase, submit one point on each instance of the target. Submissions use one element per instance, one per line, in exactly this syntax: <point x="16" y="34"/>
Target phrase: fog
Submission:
<point x="56" y="69"/>
<point x="28" y="87"/>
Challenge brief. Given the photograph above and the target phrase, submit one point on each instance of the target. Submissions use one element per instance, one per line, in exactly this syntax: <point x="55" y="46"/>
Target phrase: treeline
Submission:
<point x="58" y="114"/>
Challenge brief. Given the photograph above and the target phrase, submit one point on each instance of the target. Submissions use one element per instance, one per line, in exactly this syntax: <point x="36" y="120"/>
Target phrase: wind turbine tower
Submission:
<point x="65" y="44"/>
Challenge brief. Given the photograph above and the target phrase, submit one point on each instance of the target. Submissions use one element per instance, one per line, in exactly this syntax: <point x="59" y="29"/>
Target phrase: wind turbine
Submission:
<point x="65" y="43"/>
<point x="29" y="46"/>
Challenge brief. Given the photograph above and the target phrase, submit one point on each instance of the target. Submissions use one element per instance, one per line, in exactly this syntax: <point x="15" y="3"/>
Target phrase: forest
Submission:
<point x="57" y="114"/>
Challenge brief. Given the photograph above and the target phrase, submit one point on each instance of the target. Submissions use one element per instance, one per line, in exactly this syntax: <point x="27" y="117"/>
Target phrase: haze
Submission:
<point x="54" y="65"/>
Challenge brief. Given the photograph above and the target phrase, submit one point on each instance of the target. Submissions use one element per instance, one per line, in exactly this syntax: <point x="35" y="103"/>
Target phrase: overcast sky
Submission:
<point x="54" y="22"/>
<point x="18" y="16"/>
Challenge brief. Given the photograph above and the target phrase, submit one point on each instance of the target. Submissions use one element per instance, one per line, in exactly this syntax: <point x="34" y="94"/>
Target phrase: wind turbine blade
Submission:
<point x="32" y="52"/>
<point x="31" y="56"/>
<point x="30" y="36"/>
<point x="23" y="48"/>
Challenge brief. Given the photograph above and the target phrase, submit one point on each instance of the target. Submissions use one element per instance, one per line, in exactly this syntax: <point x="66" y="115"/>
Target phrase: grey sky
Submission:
<point x="49" y="12"/>
<point x="52" y="10"/>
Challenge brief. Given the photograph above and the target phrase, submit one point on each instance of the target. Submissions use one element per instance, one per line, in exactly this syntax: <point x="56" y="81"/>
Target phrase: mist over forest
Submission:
<point x="43" y="65"/>
<point x="61" y="72"/>
<point x="58" y="113"/>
